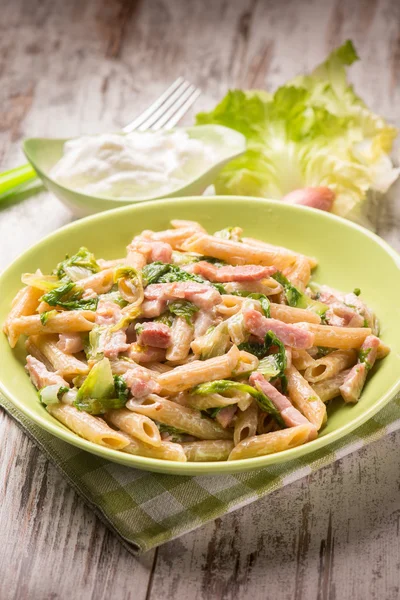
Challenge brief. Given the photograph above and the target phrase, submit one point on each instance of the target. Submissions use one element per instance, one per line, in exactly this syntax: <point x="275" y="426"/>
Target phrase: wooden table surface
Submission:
<point x="70" y="67"/>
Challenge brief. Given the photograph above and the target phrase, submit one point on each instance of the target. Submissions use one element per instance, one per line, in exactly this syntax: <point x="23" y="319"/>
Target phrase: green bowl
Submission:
<point x="349" y="257"/>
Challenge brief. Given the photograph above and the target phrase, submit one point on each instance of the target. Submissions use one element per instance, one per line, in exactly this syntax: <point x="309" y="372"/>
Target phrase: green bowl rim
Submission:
<point x="214" y="467"/>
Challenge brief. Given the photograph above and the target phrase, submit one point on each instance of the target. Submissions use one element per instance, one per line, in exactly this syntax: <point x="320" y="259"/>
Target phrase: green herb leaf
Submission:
<point x="263" y="300"/>
<point x="45" y="316"/>
<point x="183" y="308"/>
<point x="297" y="299"/>
<point x="356" y="291"/>
<point x="80" y="265"/>
<point x="97" y="394"/>
<point x="158" y="272"/>
<point x="121" y="389"/>
<point x="69" y="296"/>
<point x="52" y="394"/>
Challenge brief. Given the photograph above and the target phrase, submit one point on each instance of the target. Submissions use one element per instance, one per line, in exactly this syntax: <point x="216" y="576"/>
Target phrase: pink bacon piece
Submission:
<point x="354" y="382"/>
<point x="107" y="313"/>
<point x="141" y="382"/>
<point x="290" y="415"/>
<point x="226" y="415"/>
<point x="40" y="376"/>
<point x="115" y="343"/>
<point x="70" y="343"/>
<point x="157" y="335"/>
<point x="290" y="335"/>
<point x="153" y="308"/>
<point x="152" y="250"/>
<point x="203" y="295"/>
<point x="229" y="273"/>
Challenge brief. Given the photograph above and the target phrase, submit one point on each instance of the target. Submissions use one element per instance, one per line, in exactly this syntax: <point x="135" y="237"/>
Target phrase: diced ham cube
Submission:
<point x="290" y="335"/>
<point x="228" y="273"/>
<point x="115" y="343"/>
<point x="226" y="415"/>
<point x="157" y="335"/>
<point x="70" y="343"/>
<point x="141" y="382"/>
<point x="107" y="313"/>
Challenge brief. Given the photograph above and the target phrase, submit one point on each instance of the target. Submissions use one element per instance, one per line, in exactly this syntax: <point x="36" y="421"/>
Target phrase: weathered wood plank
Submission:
<point x="73" y="67"/>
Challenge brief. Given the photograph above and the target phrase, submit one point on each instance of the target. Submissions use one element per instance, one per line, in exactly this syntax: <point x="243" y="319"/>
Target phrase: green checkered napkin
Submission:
<point x="147" y="509"/>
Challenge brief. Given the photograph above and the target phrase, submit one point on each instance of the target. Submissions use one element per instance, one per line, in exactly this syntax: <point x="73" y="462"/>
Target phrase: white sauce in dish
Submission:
<point x="133" y="165"/>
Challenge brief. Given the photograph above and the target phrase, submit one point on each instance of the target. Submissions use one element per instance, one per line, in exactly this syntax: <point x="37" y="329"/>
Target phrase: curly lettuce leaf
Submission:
<point x="312" y="131"/>
<point x="101" y="391"/>
<point x="80" y="265"/>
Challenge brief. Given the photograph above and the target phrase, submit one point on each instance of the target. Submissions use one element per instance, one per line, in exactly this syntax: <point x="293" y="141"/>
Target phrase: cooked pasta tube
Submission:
<point x="291" y="314"/>
<point x="135" y="259"/>
<point x="238" y="252"/>
<point x="88" y="427"/>
<point x="182" y="334"/>
<point x="253" y="242"/>
<point x="174" y="237"/>
<point x="230" y="305"/>
<point x="211" y="401"/>
<point x="301" y="359"/>
<point x="299" y="273"/>
<point x="267" y="286"/>
<point x="383" y="350"/>
<point x="25" y="303"/>
<point x="66" y="364"/>
<point x="207" y="450"/>
<point x="100" y="282"/>
<point x="247" y="363"/>
<point x="180" y="223"/>
<point x="138" y="426"/>
<point x="61" y="322"/>
<point x="246" y="424"/>
<point x="330" y="388"/>
<point x="165" y="451"/>
<point x="269" y="443"/>
<point x="180" y="417"/>
<point x="342" y="338"/>
<point x="199" y="371"/>
<point x="330" y="365"/>
<point x="305" y="398"/>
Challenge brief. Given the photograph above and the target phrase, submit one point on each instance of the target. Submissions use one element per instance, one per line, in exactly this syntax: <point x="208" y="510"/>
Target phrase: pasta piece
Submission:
<point x="253" y="242"/>
<point x="211" y="401"/>
<point x="247" y="363"/>
<point x="291" y="314"/>
<point x="180" y="417"/>
<point x="229" y="306"/>
<point x="61" y="322"/>
<point x="194" y="225"/>
<point x="299" y="273"/>
<point x="246" y="424"/>
<point x="330" y="388"/>
<point x="182" y="334"/>
<point x="65" y="364"/>
<point x="174" y="237"/>
<point x="111" y="264"/>
<point x="290" y="335"/>
<point x="187" y="376"/>
<point x="330" y="365"/>
<point x="207" y="450"/>
<point x="269" y="443"/>
<point x="342" y="338"/>
<point x="138" y="426"/>
<point x="383" y="350"/>
<point x="304" y="398"/>
<point x="352" y="386"/>
<point x="166" y="450"/>
<point x="301" y="359"/>
<point x="100" y="282"/>
<point x="135" y="259"/>
<point x="25" y="303"/>
<point x="88" y="427"/>
<point x="236" y="253"/>
<point x="267" y="286"/>
<point x="160" y="367"/>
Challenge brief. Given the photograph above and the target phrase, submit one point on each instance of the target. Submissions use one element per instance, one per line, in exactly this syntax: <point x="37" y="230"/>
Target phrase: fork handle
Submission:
<point x="12" y="179"/>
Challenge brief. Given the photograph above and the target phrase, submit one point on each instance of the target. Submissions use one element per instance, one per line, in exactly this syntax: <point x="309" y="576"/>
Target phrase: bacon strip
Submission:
<point x="290" y="335"/>
<point x="354" y="382"/>
<point x="203" y="295"/>
<point x="289" y="413"/>
<point x="229" y="273"/>
<point x="157" y="335"/>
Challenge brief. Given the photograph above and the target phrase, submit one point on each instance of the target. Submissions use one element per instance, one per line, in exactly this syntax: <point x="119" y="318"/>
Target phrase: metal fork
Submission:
<point x="163" y="113"/>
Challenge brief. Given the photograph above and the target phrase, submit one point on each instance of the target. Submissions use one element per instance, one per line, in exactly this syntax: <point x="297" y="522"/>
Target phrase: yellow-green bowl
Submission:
<point x="349" y="257"/>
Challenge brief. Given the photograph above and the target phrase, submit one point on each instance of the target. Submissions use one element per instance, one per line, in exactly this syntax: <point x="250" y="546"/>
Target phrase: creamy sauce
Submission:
<point x="133" y="165"/>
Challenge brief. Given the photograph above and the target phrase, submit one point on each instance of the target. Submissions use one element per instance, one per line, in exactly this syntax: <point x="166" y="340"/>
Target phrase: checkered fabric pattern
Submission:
<point x="147" y="509"/>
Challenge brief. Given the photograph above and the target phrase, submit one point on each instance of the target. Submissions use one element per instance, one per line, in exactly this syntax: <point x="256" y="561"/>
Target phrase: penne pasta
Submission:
<point x="65" y="364"/>
<point x="246" y="424"/>
<point x="305" y="398"/>
<point x="61" y="322"/>
<point x="179" y="224"/>
<point x="25" y="303"/>
<point x="299" y="273"/>
<point x="182" y="334"/>
<point x="269" y="443"/>
<point x="180" y="417"/>
<point x="253" y="242"/>
<point x="88" y="427"/>
<point x="330" y="365"/>
<point x="100" y="282"/>
<point x="291" y="314"/>
<point x="187" y="376"/>
<point x="165" y="451"/>
<point x="301" y="359"/>
<point x="330" y="388"/>
<point x="343" y="338"/>
<point x="138" y="426"/>
<point x="207" y="450"/>
<point x="267" y="286"/>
